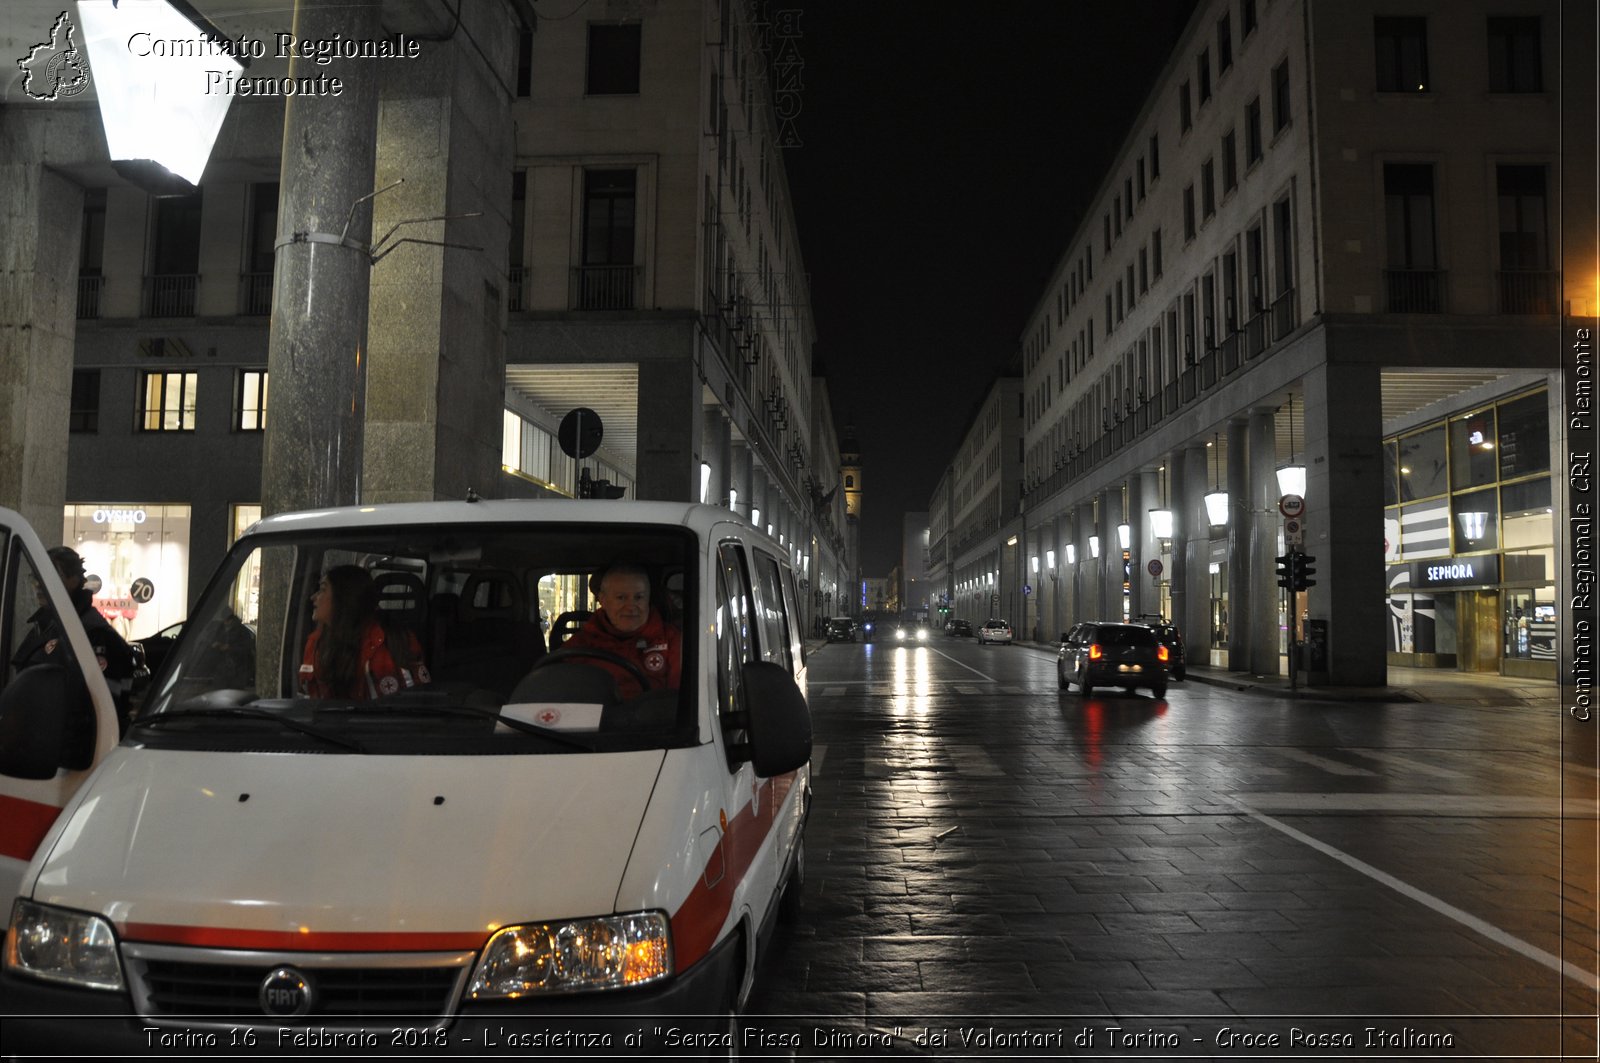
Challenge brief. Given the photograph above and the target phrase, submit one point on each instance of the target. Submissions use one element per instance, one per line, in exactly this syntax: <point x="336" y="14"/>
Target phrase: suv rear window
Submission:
<point x="1125" y="636"/>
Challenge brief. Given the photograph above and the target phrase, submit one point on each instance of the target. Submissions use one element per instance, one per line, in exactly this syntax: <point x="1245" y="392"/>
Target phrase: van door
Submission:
<point x="48" y="742"/>
<point x="749" y="840"/>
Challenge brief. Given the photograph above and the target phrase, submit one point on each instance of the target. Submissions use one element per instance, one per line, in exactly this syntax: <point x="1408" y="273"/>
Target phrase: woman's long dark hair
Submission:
<point x="355" y="601"/>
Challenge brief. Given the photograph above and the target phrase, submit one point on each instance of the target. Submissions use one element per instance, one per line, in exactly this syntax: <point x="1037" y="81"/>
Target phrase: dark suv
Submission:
<point x="841" y="629"/>
<point x="1167" y="632"/>
<point x="1112" y="655"/>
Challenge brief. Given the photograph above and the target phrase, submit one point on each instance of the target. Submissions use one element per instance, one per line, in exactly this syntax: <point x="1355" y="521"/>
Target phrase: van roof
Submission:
<point x="698" y="517"/>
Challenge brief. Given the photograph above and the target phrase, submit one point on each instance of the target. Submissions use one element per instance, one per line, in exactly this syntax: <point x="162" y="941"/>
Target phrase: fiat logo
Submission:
<point x="285" y="993"/>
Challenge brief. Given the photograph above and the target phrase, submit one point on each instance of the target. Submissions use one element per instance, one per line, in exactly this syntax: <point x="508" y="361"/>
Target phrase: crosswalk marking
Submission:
<point x="1333" y="767"/>
<point x="1409" y="764"/>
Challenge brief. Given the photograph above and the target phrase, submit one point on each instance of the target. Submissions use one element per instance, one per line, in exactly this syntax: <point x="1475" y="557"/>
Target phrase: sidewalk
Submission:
<point x="1405" y="684"/>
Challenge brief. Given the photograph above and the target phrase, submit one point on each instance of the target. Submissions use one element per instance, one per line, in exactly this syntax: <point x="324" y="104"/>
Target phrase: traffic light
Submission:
<point x="1303" y="572"/>
<point x="1286" y="568"/>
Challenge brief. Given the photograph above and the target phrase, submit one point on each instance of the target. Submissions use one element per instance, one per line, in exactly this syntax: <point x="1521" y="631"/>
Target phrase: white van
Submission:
<point x="501" y="838"/>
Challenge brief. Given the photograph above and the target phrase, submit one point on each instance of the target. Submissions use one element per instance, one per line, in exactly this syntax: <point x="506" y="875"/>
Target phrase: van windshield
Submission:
<point x="440" y="639"/>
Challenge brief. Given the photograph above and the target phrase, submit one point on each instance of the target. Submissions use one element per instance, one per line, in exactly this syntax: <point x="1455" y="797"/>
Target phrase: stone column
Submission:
<point x="1149" y="545"/>
<point x="38" y="327"/>
<point x="1108" y="569"/>
<point x="317" y="343"/>
<point x="714" y="442"/>
<point x="1138" y="578"/>
<point x="437" y="322"/>
<point x="1194" y="529"/>
<point x="669" y="438"/>
<point x="1344" y="452"/>
<point x="1177" y="481"/>
<point x="741" y="477"/>
<point x="1240" y="523"/>
<point x="1263" y="546"/>
<point x="1088" y="565"/>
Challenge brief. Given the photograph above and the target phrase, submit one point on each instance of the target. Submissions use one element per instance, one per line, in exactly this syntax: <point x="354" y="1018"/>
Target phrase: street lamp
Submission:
<point x="705" y="480"/>
<point x="1072" y="553"/>
<point x="1292" y="477"/>
<point x="1125" y="535"/>
<point x="160" y="118"/>
<point x="1094" y="546"/>
<point x="1217" y="500"/>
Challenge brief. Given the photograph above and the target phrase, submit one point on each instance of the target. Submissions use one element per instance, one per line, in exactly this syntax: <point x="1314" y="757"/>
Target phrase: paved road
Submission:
<point x="996" y="867"/>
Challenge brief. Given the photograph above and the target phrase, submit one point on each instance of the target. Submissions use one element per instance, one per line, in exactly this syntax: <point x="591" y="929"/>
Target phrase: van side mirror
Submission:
<point x="46" y="723"/>
<point x="778" y="727"/>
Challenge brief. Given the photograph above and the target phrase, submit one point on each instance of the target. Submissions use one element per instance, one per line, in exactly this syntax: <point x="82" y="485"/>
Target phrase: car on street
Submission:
<point x="959" y="629"/>
<point x="911" y="631"/>
<point x="842" y="629"/>
<point x="1170" y="637"/>
<point x="1103" y="654"/>
<point x="994" y="631"/>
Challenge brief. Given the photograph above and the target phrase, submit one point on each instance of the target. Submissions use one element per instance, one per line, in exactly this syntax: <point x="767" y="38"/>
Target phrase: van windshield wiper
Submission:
<point x="404" y="703"/>
<point x="246" y="713"/>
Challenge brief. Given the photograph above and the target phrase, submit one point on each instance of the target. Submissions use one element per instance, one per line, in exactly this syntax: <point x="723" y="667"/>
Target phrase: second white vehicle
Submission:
<point x="994" y="631"/>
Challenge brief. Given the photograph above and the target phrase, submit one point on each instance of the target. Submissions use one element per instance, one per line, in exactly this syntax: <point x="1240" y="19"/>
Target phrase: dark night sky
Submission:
<point x="950" y="150"/>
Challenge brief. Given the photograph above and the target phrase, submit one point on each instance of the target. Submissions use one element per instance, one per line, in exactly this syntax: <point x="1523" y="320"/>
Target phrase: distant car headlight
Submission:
<point x="605" y="952"/>
<point x="58" y="945"/>
<point x="922" y="634"/>
<point x="900" y="633"/>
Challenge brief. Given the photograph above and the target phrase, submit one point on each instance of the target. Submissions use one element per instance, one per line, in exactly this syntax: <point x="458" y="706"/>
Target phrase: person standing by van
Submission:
<point x="351" y="654"/>
<point x="627" y="625"/>
<point x="42" y="644"/>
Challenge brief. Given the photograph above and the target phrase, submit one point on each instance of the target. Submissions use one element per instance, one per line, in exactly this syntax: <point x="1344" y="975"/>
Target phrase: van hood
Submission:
<point x="346" y="853"/>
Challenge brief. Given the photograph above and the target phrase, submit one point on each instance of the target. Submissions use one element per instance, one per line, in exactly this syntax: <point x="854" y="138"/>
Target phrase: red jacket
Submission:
<point x="377" y="672"/>
<point x="657" y="648"/>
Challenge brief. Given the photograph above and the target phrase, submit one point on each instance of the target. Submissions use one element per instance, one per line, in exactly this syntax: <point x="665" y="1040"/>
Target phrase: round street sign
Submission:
<point x="1154" y="567"/>
<point x="1291" y="505"/>
<point x="580" y="433"/>
<point x="142" y="590"/>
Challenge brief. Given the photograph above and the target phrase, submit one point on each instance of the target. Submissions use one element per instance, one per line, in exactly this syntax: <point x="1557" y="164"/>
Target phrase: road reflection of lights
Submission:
<point x="911" y="685"/>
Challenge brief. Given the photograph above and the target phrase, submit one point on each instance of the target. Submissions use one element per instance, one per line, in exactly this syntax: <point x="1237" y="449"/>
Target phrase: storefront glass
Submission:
<point x="137" y="560"/>
<point x="1492" y="534"/>
<point x="247" y="588"/>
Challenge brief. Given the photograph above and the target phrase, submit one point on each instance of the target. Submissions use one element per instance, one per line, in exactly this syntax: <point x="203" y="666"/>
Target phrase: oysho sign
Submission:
<point x="1477" y="571"/>
<point x="120" y="516"/>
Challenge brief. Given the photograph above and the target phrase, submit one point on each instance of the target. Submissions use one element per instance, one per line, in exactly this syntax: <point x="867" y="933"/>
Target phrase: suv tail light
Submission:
<point x="1095" y="652"/>
<point x="1161" y="654"/>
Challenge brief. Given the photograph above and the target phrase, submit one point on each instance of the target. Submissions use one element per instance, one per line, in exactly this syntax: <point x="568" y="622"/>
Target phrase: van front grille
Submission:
<point x="203" y="984"/>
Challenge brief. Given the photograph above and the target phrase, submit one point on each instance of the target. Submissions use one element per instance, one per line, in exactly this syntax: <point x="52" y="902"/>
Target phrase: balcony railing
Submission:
<point x="1414" y="291"/>
<point x="255" y="294"/>
<point x="1212" y="367"/>
<point x="605" y="287"/>
<point x="170" y="294"/>
<point x="1527" y="291"/>
<point x="89" y="285"/>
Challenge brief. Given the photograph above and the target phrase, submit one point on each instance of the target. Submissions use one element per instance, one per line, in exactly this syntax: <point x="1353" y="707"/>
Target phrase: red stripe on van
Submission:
<point x="698" y="920"/>
<point x="23" y="825"/>
<point x="214" y="937"/>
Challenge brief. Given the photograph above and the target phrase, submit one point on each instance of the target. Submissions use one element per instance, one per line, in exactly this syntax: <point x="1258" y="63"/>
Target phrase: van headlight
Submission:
<point x="59" y="945"/>
<point x="606" y="952"/>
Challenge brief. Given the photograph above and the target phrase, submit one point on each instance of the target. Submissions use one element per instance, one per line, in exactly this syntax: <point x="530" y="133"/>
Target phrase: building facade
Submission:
<point x="1324" y="248"/>
<point x="643" y="264"/>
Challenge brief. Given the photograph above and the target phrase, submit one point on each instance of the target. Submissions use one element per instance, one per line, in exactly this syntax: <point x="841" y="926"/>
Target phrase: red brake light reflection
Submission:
<point x="1161" y="653"/>
<point x="1095" y="652"/>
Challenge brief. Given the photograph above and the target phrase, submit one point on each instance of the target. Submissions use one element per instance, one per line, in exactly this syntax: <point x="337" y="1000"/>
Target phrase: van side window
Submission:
<point x="794" y="614"/>
<point x="734" y="637"/>
<point x="775" y="634"/>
